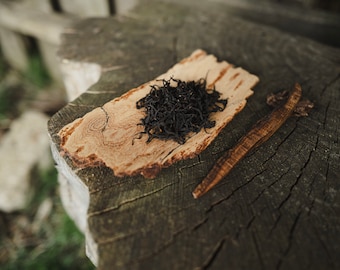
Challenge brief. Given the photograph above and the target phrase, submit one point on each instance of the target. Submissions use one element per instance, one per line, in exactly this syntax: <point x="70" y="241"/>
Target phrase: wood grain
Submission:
<point x="260" y="133"/>
<point x="277" y="209"/>
<point x="109" y="135"/>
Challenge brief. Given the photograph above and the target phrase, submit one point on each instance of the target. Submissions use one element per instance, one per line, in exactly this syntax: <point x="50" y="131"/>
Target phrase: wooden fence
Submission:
<point x="27" y="25"/>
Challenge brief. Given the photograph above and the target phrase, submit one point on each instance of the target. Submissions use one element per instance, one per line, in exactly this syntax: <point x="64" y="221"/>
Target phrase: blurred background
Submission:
<point x="35" y="231"/>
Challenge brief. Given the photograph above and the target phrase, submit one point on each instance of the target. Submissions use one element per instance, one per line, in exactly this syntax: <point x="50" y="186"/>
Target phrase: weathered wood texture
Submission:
<point x="13" y="47"/>
<point x="287" y="15"/>
<point x="278" y="208"/>
<point x="32" y="18"/>
<point x="109" y="134"/>
<point x="33" y="22"/>
<point x="86" y="8"/>
<point x="44" y="21"/>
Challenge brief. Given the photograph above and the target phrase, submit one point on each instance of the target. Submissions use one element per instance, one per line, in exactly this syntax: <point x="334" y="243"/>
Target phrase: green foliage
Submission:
<point x="4" y="101"/>
<point x="6" y="94"/>
<point x="3" y="67"/>
<point x="62" y="244"/>
<point x="17" y="88"/>
<point x="56" y="243"/>
<point x="37" y="73"/>
<point x="46" y="183"/>
<point x="64" y="251"/>
<point x="9" y="99"/>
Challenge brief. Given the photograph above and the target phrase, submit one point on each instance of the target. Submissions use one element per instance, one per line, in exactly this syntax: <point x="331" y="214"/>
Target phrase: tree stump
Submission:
<point x="278" y="208"/>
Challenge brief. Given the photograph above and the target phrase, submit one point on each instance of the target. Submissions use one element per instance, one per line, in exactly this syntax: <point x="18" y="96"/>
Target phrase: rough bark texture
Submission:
<point x="278" y="208"/>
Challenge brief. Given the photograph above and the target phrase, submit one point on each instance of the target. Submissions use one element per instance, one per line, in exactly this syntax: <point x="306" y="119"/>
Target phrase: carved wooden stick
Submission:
<point x="261" y="132"/>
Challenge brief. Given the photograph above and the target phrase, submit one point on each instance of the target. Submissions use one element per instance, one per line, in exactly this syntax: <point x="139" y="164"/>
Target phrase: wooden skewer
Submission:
<point x="261" y="132"/>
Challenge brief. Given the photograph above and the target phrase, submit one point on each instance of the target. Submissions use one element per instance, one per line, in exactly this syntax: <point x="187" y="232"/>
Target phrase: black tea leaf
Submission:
<point x="173" y="111"/>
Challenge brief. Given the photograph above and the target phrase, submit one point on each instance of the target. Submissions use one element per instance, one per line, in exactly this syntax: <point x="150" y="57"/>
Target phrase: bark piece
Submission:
<point x="107" y="135"/>
<point x="260" y="133"/>
<point x="279" y="209"/>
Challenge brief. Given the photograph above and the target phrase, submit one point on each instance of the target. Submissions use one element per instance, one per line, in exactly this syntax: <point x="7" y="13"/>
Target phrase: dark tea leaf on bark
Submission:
<point x="177" y="108"/>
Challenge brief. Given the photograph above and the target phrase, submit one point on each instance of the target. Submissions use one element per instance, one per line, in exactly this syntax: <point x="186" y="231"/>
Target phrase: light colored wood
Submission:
<point x="78" y="76"/>
<point x="101" y="137"/>
<point x="75" y="199"/>
<point x="77" y="204"/>
<point x="43" y="26"/>
<point x="14" y="49"/>
<point x="41" y="5"/>
<point x="123" y="6"/>
<point x="86" y="8"/>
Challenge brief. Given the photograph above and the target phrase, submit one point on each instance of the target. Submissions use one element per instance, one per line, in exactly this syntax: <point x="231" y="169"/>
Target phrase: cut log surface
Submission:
<point x="277" y="209"/>
<point x="109" y="134"/>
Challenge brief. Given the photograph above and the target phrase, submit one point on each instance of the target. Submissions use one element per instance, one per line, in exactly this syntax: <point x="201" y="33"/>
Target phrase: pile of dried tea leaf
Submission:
<point x="176" y="108"/>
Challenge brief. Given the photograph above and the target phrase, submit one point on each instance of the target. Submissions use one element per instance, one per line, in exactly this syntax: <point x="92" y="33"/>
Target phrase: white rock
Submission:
<point x="20" y="149"/>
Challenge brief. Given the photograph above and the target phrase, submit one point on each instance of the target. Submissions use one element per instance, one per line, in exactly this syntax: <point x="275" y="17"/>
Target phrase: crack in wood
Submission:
<point x="107" y="240"/>
<point x="107" y="117"/>
<point x="296" y="182"/>
<point x="312" y="190"/>
<point x="180" y="170"/>
<point x="269" y="186"/>
<point x="282" y="142"/>
<point x="213" y="255"/>
<point x="310" y="207"/>
<point x="325" y="115"/>
<point x="250" y="222"/>
<point x="233" y="191"/>
<point x="290" y="241"/>
<point x="116" y="207"/>
<point x="260" y="133"/>
<point x="154" y="253"/>
<point x="326" y="190"/>
<point x="325" y="247"/>
<point x="199" y="224"/>
<point x="329" y="84"/>
<point x="214" y="204"/>
<point x="258" y="251"/>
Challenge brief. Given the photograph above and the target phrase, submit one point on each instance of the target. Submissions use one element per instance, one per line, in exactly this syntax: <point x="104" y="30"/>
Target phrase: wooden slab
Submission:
<point x="108" y="135"/>
<point x="277" y="209"/>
